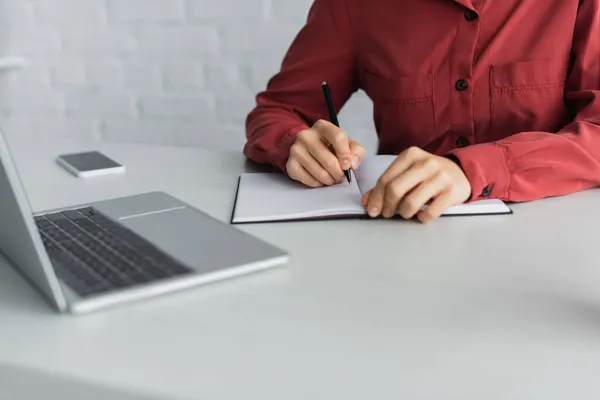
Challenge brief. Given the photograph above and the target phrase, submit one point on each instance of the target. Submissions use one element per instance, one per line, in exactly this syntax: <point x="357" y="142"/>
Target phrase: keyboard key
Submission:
<point x="55" y="217"/>
<point x="156" y="271"/>
<point x="87" y="211"/>
<point x="73" y="215"/>
<point x="42" y="222"/>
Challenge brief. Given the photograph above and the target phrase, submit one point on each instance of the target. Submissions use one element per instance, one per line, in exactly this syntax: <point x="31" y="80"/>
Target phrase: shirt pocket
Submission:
<point x="403" y="110"/>
<point x="527" y="96"/>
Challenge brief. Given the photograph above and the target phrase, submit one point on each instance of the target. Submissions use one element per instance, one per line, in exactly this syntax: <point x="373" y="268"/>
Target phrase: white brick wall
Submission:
<point x="181" y="72"/>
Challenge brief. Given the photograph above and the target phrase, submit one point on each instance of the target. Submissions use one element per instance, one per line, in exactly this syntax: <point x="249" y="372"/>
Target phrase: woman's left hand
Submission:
<point x="414" y="179"/>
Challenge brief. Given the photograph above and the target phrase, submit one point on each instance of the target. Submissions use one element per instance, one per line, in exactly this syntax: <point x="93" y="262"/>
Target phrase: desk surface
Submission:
<point x="495" y="307"/>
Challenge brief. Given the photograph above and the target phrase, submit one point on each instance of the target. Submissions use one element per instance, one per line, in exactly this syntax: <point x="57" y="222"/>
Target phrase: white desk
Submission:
<point x="24" y="384"/>
<point x="500" y="307"/>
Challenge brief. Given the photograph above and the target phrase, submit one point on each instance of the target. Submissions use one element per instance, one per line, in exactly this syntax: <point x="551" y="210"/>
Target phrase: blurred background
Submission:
<point x="177" y="72"/>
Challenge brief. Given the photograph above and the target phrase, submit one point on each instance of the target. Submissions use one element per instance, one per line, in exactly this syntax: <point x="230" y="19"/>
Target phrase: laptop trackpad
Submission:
<point x="199" y="240"/>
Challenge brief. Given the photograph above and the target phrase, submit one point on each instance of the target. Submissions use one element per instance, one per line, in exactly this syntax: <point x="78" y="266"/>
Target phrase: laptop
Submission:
<point x="91" y="256"/>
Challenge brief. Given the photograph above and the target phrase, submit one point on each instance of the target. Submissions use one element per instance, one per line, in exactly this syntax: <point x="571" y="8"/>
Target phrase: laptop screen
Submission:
<point x="20" y="242"/>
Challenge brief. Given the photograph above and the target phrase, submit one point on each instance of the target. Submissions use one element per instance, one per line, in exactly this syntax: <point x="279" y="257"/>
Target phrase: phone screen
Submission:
<point x="89" y="161"/>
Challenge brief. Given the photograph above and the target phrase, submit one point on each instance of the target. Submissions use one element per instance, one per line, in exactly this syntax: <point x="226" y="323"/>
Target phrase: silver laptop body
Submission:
<point x="136" y="247"/>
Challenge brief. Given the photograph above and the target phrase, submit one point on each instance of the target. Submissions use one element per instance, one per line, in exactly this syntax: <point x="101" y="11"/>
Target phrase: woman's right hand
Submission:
<point x="321" y="154"/>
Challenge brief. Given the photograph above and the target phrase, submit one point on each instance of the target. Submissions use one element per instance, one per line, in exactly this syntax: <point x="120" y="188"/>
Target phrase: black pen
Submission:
<point x="333" y="117"/>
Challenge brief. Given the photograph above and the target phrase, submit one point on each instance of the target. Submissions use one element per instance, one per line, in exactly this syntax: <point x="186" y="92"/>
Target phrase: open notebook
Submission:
<point x="269" y="197"/>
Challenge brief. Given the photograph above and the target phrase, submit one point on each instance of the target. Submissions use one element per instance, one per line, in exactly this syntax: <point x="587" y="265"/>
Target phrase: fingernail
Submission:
<point x="345" y="164"/>
<point x="373" y="211"/>
<point x="355" y="162"/>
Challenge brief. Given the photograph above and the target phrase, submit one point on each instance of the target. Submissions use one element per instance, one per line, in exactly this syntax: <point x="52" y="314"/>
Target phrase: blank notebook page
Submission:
<point x="274" y="196"/>
<point x="371" y="169"/>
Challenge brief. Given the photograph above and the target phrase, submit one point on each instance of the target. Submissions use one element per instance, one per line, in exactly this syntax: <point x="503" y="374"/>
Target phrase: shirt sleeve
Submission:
<point x="532" y="165"/>
<point x="293" y="100"/>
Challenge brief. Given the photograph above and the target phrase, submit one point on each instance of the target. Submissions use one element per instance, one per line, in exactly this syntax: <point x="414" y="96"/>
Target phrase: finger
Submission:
<point x="357" y="153"/>
<point x="365" y="199"/>
<point x="338" y="139"/>
<point x="400" y="165"/>
<point x="326" y="159"/>
<point x="301" y="154"/>
<point x="298" y="173"/>
<point x="420" y="195"/>
<point x="404" y="183"/>
<point x="437" y="207"/>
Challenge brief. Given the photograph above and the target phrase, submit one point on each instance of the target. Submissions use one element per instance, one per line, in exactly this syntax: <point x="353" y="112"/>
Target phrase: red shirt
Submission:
<point x="510" y="87"/>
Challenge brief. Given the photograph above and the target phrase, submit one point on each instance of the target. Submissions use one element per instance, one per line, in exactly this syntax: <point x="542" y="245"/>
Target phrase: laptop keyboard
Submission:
<point x="92" y="254"/>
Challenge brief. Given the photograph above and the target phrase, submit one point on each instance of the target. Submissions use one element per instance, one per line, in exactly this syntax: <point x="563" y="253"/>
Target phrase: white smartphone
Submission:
<point x="90" y="163"/>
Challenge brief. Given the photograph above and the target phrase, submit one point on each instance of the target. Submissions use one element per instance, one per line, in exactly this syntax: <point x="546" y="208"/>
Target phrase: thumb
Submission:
<point x="357" y="153"/>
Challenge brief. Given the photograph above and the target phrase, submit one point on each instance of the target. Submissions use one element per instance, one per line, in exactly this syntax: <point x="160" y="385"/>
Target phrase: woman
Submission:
<point x="479" y="99"/>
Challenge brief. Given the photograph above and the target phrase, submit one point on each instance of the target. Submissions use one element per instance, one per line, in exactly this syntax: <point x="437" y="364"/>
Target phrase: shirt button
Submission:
<point x="462" y="141"/>
<point x="486" y="191"/>
<point x="471" y="15"/>
<point x="461" y="85"/>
